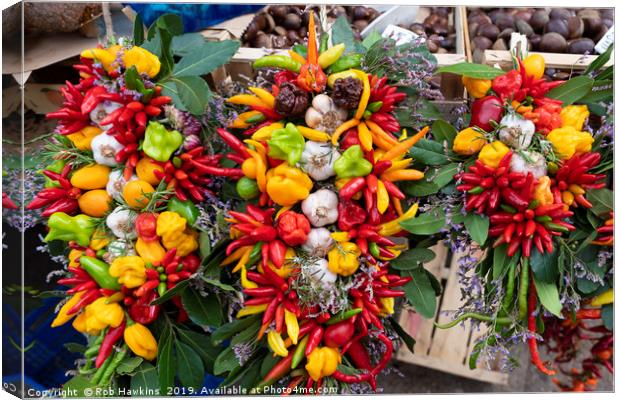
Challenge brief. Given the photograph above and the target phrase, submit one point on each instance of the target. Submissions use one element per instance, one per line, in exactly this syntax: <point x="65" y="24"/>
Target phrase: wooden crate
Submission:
<point x="445" y="350"/>
<point x="552" y="60"/>
<point x="241" y="64"/>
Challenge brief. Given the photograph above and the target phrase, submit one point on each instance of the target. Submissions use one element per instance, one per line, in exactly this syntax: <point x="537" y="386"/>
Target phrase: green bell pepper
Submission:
<point x="159" y="143"/>
<point x="287" y="144"/>
<point x="57" y="167"/>
<point x="99" y="271"/>
<point x="186" y="209"/>
<point x="62" y="226"/>
<point x="352" y="163"/>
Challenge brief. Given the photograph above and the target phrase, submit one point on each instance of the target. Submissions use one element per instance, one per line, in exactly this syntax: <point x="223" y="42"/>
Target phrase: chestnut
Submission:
<point x="553" y="42"/>
<point x="292" y="21"/>
<point x="581" y="46"/>
<point x="559" y="26"/>
<point x="539" y="20"/>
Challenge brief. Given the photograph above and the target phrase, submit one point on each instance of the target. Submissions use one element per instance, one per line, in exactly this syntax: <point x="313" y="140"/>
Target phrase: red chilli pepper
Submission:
<point x="107" y="345"/>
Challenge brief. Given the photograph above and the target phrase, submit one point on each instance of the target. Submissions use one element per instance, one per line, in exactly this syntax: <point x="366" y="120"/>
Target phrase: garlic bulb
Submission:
<point x="121" y="222"/>
<point x="104" y="148"/>
<point x="529" y="161"/>
<point x="324" y="115"/>
<point x="320" y="273"/>
<point x="118" y="248"/>
<point x="116" y="183"/>
<point x="319" y="242"/>
<point x="317" y="160"/>
<point x="102" y="110"/>
<point x="516" y="131"/>
<point x="321" y="207"/>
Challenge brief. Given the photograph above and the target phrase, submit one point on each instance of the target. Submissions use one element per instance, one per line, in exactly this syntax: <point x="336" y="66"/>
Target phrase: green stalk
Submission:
<point x="476" y="316"/>
<point x="523" y="288"/>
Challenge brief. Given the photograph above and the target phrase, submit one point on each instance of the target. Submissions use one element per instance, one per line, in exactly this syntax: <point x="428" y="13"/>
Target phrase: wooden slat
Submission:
<point x="552" y="60"/>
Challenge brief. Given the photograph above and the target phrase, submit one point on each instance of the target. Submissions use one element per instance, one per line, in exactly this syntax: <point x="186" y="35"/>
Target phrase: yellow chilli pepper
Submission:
<point x="343" y="259"/>
<point x="287" y="185"/>
<point x="265" y="132"/>
<point x="276" y="343"/>
<point x="82" y="138"/>
<point x="150" y="251"/>
<point x="574" y="116"/>
<point x="98" y="315"/>
<point x="602" y="299"/>
<point x="331" y="55"/>
<point x="323" y="361"/>
<point x="468" y="142"/>
<point x="567" y="141"/>
<point x="99" y="239"/>
<point x="107" y="57"/>
<point x="144" y="61"/>
<point x="141" y="341"/>
<point x="251" y="310"/>
<point x="492" y="153"/>
<point x="130" y="271"/>
<point x="292" y="325"/>
<point x="63" y="317"/>
<point x="387" y="305"/>
<point x="170" y="223"/>
<point x="74" y="255"/>
<point x="477" y="88"/>
<point x="542" y="191"/>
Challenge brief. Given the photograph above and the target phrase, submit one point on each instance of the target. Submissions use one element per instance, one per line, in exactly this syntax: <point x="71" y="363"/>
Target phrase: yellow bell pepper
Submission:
<point x="387" y="305"/>
<point x="602" y="299"/>
<point x="343" y="259"/>
<point x="170" y="223"/>
<point x="107" y="57"/>
<point x="185" y="242"/>
<point x="477" y="88"/>
<point x="141" y="341"/>
<point x="567" y="141"/>
<point x="150" y="251"/>
<point x="82" y="138"/>
<point x="574" y="116"/>
<point x="98" y="315"/>
<point x="144" y="61"/>
<point x="468" y="142"/>
<point x="130" y="271"/>
<point x="287" y="185"/>
<point x="63" y="316"/>
<point x="492" y="153"/>
<point x="542" y="191"/>
<point x="323" y="361"/>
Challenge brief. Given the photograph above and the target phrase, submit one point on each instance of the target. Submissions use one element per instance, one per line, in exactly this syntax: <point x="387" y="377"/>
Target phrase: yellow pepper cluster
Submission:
<point x="98" y="315"/>
<point x="574" y="116"/>
<point x="130" y="271"/>
<point x="173" y="230"/>
<point x="144" y="61"/>
<point x="568" y="140"/>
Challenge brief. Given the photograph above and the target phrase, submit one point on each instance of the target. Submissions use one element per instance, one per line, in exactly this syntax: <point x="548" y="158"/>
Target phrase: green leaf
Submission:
<point x="189" y="366"/>
<point x="188" y="93"/>
<point x="187" y="43"/>
<point x="571" y="91"/>
<point x="420" y="293"/>
<point x="131" y="77"/>
<point x="478" y="227"/>
<point x="138" y="30"/>
<point x="170" y="293"/>
<point x="204" y="311"/>
<point x="75" y="387"/>
<point x="421" y="188"/>
<point x="206" y="58"/>
<point x="586" y="286"/>
<point x="228" y="330"/>
<point x="145" y="380"/>
<point x="607" y="315"/>
<point x="204" y="244"/>
<point x="202" y="346"/>
<point x="342" y="33"/>
<point x="544" y="266"/>
<point x="549" y="296"/>
<point x="412" y="258"/>
<point x="409" y="341"/>
<point x="429" y="152"/>
<point x="129" y="365"/>
<point x="219" y="284"/>
<point x="602" y="201"/>
<point x="225" y="362"/>
<point x="372" y="38"/>
<point x="599" y="61"/>
<point x="165" y="362"/>
<point x="478" y="71"/>
<point x="501" y="261"/>
<point x="74" y="347"/>
<point x="425" y="224"/>
<point x="443" y="130"/>
<point x="601" y="91"/>
<point x="169" y="22"/>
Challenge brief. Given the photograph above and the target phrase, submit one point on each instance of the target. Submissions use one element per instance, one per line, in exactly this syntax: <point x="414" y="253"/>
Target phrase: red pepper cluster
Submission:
<point x="565" y="337"/>
<point x="367" y="234"/>
<point x="256" y="225"/>
<point x="70" y="116"/>
<point x="517" y="85"/>
<point x="57" y="199"/>
<point x="187" y="172"/>
<point x="575" y="172"/>
<point x="389" y="97"/>
<point x="546" y="114"/>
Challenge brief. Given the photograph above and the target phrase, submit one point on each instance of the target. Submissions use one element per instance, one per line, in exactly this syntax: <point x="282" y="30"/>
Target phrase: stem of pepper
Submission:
<point x="476" y="316"/>
<point x="510" y="288"/>
<point x="107" y="375"/>
<point x="97" y="377"/>
<point x="523" y="287"/>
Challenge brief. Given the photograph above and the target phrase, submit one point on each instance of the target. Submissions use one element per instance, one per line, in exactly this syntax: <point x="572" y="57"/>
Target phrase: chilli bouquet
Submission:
<point x="532" y="193"/>
<point x="320" y="157"/>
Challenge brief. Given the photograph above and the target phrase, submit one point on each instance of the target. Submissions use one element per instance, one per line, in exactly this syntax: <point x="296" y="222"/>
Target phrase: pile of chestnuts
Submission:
<point x="281" y="26"/>
<point x="436" y="28"/>
<point x="549" y="30"/>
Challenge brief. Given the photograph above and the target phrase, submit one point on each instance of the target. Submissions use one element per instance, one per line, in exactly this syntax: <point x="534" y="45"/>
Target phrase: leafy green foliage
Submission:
<point x="420" y="292"/>
<point x="544" y="266"/>
<point x="204" y="311"/>
<point x="342" y="33"/>
<point x="145" y="379"/>
<point x="412" y="258"/>
<point x="478" y="71"/>
<point x="572" y="90"/>
<point x="443" y="131"/>
<point x="428" y="223"/>
<point x="429" y="152"/>
<point x="409" y="341"/>
<point x="602" y="201"/>
<point x="478" y="227"/>
<point x="549" y="296"/>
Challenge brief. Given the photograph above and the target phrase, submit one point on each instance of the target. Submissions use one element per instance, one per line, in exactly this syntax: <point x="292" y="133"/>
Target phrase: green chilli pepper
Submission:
<point x="287" y="144"/>
<point x="301" y="49"/>
<point x="352" y="163"/>
<point x="255" y="254"/>
<point x="159" y="143"/>
<point x="374" y="106"/>
<point x="374" y="249"/>
<point x="277" y="61"/>
<point x="186" y="209"/>
<point x="346" y="62"/>
<point x="324" y="42"/>
<point x="476" y="190"/>
<point x="65" y="227"/>
<point x="247" y="188"/>
<point x="343" y="316"/>
<point x="99" y="271"/>
<point x="300" y="352"/>
<point x="508" y="209"/>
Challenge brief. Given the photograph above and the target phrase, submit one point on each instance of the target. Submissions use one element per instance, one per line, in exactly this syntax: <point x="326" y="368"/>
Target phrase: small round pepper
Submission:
<point x="574" y="116"/>
<point x="287" y="185"/>
<point x="343" y="259"/>
<point x="141" y="341"/>
<point x="492" y="153"/>
<point x="293" y="228"/>
<point x="477" y="88"/>
<point x="468" y="142"/>
<point x="567" y="141"/>
<point x="323" y="361"/>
